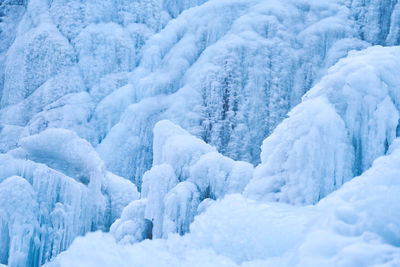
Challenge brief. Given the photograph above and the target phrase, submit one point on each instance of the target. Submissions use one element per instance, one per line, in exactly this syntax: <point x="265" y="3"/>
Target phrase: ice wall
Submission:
<point x="187" y="174"/>
<point x="217" y="70"/>
<point x="225" y="71"/>
<point x="355" y="118"/>
<point x="52" y="189"/>
<point x="354" y="121"/>
<point x="229" y="82"/>
<point x="351" y="227"/>
<point x="53" y="56"/>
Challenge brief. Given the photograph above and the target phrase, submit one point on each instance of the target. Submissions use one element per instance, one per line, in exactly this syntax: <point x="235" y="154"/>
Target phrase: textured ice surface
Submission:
<point x="86" y="82"/>
<point x="218" y="69"/>
<point x="355" y="111"/>
<point x="355" y="226"/>
<point x="185" y="172"/>
<point x="132" y="227"/>
<point x="218" y="80"/>
<point x="54" y="188"/>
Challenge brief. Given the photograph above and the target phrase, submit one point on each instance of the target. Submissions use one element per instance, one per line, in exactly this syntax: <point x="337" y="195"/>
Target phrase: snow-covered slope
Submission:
<point x="173" y="98"/>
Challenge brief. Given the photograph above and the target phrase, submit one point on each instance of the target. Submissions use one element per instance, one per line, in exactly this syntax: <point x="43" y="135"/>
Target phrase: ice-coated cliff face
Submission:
<point x="220" y="79"/>
<point x="355" y="119"/>
<point x="357" y="225"/>
<point x="351" y="227"/>
<point x="378" y="20"/>
<point x="355" y="110"/>
<point x="187" y="175"/>
<point x="188" y="101"/>
<point x="217" y="69"/>
<point x="52" y="189"/>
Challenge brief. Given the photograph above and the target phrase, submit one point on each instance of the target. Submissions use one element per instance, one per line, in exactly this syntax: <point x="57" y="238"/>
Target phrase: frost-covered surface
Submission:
<point x="83" y="83"/>
<point x="218" y="80"/>
<point x="355" y="226"/>
<point x="217" y="70"/>
<point x="355" y="117"/>
<point x="186" y="171"/>
<point x="52" y="189"/>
